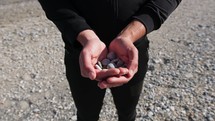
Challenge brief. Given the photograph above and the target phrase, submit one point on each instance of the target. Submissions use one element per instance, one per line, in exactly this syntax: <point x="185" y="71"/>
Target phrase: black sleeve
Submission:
<point x="63" y="14"/>
<point x="155" y="12"/>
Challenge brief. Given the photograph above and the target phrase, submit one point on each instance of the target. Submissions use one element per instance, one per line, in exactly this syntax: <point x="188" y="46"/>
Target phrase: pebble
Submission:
<point x="23" y="105"/>
<point x="210" y="118"/>
<point x="166" y="60"/>
<point x="168" y="110"/>
<point x="151" y="68"/>
<point x="183" y="112"/>
<point x="189" y="75"/>
<point x="105" y="62"/>
<point x="172" y="108"/>
<point x="150" y="114"/>
<point x="156" y="61"/>
<point x="110" y="65"/>
<point x="98" y="67"/>
<point x="26" y="77"/>
<point x="36" y="110"/>
<point x="74" y="118"/>
<point x="100" y="64"/>
<point x="5" y="104"/>
<point x="119" y="63"/>
<point x="110" y="62"/>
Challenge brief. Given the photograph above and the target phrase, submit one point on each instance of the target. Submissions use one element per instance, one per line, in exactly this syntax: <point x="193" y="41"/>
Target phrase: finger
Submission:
<point x="123" y="71"/>
<point x="105" y="73"/>
<point x="87" y="68"/>
<point x="104" y="84"/>
<point x="117" y="80"/>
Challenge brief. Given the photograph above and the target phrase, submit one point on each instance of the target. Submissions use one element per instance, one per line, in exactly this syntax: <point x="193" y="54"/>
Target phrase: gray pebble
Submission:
<point x="110" y="65"/>
<point x="120" y="63"/>
<point x="210" y="118"/>
<point x="26" y="77"/>
<point x="23" y="105"/>
<point x="150" y="114"/>
<point x="105" y="62"/>
<point x="189" y="75"/>
<point x="36" y="110"/>
<point x="74" y="118"/>
<point x="172" y="108"/>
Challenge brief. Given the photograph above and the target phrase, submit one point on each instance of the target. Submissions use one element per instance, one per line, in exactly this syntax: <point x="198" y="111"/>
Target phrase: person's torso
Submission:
<point x="107" y="17"/>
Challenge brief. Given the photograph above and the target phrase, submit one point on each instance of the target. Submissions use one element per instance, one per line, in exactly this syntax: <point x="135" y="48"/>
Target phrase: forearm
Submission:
<point x="133" y="31"/>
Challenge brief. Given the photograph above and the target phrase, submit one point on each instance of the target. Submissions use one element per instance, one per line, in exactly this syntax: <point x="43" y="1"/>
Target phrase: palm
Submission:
<point x="97" y="51"/>
<point x="121" y="49"/>
<point x="127" y="52"/>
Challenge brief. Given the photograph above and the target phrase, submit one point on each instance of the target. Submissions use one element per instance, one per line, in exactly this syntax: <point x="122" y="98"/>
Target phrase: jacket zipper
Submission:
<point x="117" y="8"/>
<point x="115" y="4"/>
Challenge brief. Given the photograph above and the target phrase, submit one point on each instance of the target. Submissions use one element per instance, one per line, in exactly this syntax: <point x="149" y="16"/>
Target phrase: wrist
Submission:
<point x="123" y="39"/>
<point x="86" y="36"/>
<point x="133" y="31"/>
<point x="126" y="38"/>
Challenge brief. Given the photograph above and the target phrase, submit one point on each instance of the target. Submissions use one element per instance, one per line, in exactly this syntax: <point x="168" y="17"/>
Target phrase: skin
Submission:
<point x="94" y="49"/>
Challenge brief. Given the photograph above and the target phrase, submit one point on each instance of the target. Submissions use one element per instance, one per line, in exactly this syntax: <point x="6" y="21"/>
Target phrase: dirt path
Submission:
<point x="180" y="83"/>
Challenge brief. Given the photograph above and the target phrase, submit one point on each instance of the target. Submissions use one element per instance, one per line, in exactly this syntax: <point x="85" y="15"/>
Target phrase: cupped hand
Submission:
<point x="93" y="51"/>
<point x="128" y="53"/>
<point x="90" y="54"/>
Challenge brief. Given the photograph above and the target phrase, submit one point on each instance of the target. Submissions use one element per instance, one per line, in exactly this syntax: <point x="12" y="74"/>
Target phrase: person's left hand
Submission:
<point x="128" y="53"/>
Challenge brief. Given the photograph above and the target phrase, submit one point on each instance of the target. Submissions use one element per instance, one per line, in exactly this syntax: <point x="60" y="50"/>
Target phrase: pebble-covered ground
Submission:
<point x="179" y="86"/>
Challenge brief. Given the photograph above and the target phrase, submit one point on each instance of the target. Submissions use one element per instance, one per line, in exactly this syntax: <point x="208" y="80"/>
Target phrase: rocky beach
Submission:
<point x="179" y="84"/>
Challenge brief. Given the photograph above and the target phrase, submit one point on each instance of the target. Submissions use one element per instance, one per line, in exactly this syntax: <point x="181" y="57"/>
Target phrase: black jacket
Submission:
<point x="106" y="17"/>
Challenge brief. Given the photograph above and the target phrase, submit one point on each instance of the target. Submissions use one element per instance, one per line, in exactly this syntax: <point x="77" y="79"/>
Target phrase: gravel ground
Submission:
<point x="180" y="83"/>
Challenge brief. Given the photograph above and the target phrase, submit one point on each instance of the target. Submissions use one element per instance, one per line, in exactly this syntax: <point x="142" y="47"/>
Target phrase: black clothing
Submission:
<point x="106" y="17"/>
<point x="88" y="97"/>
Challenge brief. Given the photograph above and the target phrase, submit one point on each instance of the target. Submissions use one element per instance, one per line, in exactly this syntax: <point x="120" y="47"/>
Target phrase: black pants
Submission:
<point x="88" y="97"/>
